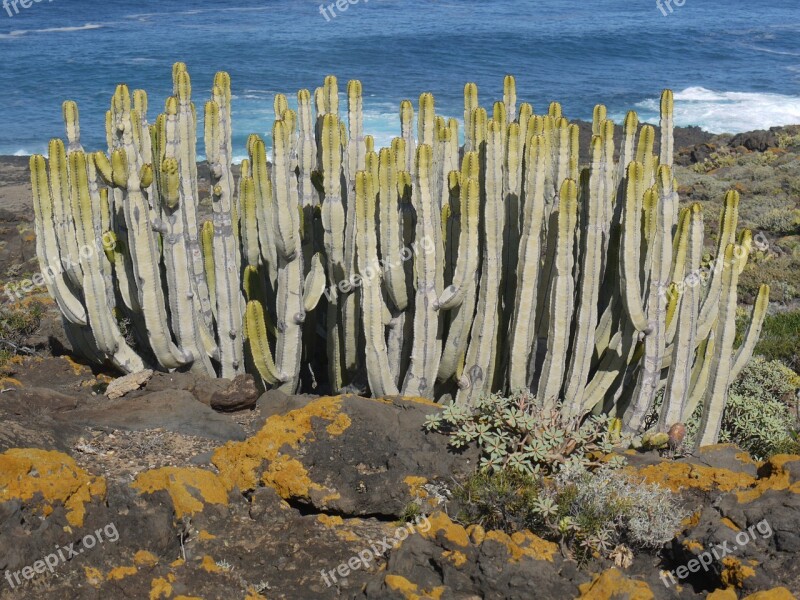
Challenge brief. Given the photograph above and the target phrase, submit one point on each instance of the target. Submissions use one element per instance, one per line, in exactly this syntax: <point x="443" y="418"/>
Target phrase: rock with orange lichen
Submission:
<point x="383" y="456"/>
<point x="190" y="489"/>
<point x="45" y="479"/>
<point x="444" y="557"/>
<point x="614" y="585"/>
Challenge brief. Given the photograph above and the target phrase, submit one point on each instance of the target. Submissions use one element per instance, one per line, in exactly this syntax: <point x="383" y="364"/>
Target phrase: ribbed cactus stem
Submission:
<point x="381" y="382"/>
<point x="589" y="286"/>
<point x="752" y="333"/>
<point x="667" y="128"/>
<point x="479" y="366"/>
<point x="721" y="362"/>
<point x="676" y="393"/>
<point x="561" y="296"/>
<point x="426" y="350"/>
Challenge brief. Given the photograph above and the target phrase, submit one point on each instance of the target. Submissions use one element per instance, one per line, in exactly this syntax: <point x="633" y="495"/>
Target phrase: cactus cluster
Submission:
<point x="428" y="268"/>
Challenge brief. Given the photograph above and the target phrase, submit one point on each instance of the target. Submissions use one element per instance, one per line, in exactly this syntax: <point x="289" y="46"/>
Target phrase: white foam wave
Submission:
<point x="727" y="112"/>
<point x="20" y="32"/>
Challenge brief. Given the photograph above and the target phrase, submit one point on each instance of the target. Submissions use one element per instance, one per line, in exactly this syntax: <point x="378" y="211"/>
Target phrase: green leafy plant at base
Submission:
<point x="521" y="433"/>
<point x="16" y="325"/>
<point x="589" y="513"/>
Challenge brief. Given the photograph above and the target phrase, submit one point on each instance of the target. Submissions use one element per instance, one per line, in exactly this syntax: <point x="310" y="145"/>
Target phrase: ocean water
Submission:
<point x="734" y="64"/>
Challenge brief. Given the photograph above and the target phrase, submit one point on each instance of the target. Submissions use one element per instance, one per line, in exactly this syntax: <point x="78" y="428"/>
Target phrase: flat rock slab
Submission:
<point x="172" y="410"/>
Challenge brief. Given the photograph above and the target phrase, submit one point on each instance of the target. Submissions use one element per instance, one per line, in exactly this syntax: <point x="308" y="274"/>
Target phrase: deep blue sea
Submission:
<point x="734" y="64"/>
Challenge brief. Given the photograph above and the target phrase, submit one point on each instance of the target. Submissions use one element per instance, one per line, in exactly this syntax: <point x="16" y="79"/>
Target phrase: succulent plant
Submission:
<point x="496" y="266"/>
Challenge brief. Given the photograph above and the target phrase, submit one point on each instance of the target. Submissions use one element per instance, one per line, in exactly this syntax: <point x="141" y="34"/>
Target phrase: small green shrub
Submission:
<point x="17" y="323"/>
<point x="780" y="339"/>
<point x="520" y="433"/>
<point x="589" y="513"/>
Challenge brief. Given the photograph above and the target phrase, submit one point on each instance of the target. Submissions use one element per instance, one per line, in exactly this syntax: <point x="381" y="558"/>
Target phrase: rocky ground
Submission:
<point x="186" y="487"/>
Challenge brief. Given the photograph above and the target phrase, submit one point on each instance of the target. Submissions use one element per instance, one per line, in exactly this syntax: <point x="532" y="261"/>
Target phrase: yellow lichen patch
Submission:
<point x="179" y="483"/>
<point x="411" y="591"/>
<point x="415" y="484"/>
<point x="440" y="522"/>
<point x="239" y="463"/>
<point x="210" y="565"/>
<point x="729" y="524"/>
<point x="774" y="476"/>
<point x="160" y="588"/>
<point x="93" y="576"/>
<point x="455" y="557"/>
<point x="692" y="520"/>
<point x="476" y="534"/>
<point x="182" y="597"/>
<point x="734" y="572"/>
<point x="330" y="521"/>
<point x="254" y="595"/>
<point x="524" y="543"/>
<point x="177" y="563"/>
<point x="121" y="573"/>
<point x="339" y="425"/>
<point x="336" y="523"/>
<point x="726" y="594"/>
<point x="612" y="584"/>
<point x="745" y="458"/>
<point x="77" y="368"/>
<point x="143" y="558"/>
<point x="677" y="476"/>
<point x="25" y="472"/>
<point x="288" y="477"/>
<point x="204" y="535"/>
<point x="779" y="593"/>
<point x="693" y="546"/>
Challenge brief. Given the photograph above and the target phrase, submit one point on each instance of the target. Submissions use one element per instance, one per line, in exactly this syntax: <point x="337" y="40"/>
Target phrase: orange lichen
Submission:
<point x="524" y="543"/>
<point x="26" y="472"/>
<point x="160" y="588"/>
<point x="729" y="524"/>
<point x="336" y="523"/>
<point x="476" y="534"/>
<point x="239" y="463"/>
<point x="774" y="475"/>
<point x="693" y="546"/>
<point x="143" y="558"/>
<point x="182" y="597"/>
<point x="726" y="594"/>
<point x="779" y="593"/>
<point x="210" y="565"/>
<point x="330" y="521"/>
<point x="93" y="576"/>
<point x="77" y="368"/>
<point x="254" y="595"/>
<point x="734" y="572"/>
<point x="441" y="523"/>
<point x="121" y="573"/>
<point x="415" y="484"/>
<point x="677" y="476"/>
<point x="204" y="535"/>
<point x="455" y="557"/>
<point x="411" y="591"/>
<point x="179" y="562"/>
<point x="692" y="520"/>
<point x="179" y="484"/>
<point x="612" y="584"/>
<point x="6" y="381"/>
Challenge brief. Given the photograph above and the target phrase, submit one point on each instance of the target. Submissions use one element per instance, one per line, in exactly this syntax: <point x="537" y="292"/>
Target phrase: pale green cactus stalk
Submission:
<point x="561" y="296"/>
<point x="510" y="98"/>
<point x="752" y="333"/>
<point x="230" y="302"/>
<point x="426" y="350"/>
<point x="407" y="134"/>
<point x="479" y="366"/>
<point x="379" y="373"/>
<point x="676" y="393"/>
<point x="523" y="323"/>
<point x="722" y="360"/>
<point x="667" y="128"/>
<point x="470" y="104"/>
<point x="589" y="286"/>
